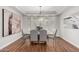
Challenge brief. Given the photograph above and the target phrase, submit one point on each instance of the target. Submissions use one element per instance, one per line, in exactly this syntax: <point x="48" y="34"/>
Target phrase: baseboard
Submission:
<point x="69" y="42"/>
<point x="17" y="36"/>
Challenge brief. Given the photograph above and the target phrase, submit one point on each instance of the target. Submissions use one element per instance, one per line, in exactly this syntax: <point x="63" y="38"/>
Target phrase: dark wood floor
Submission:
<point x="57" y="45"/>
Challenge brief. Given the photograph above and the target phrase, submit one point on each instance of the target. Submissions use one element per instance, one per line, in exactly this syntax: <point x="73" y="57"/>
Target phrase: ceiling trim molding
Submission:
<point x="13" y="7"/>
<point x="68" y="7"/>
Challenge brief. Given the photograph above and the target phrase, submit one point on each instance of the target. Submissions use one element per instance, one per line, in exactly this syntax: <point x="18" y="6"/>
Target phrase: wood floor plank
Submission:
<point x="56" y="45"/>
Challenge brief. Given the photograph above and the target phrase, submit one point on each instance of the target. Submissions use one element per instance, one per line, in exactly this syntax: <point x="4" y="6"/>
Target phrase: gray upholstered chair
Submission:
<point x="43" y="35"/>
<point x="33" y="35"/>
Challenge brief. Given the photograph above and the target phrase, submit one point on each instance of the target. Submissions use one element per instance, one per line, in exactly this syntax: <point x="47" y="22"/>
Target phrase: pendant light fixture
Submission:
<point x="40" y="9"/>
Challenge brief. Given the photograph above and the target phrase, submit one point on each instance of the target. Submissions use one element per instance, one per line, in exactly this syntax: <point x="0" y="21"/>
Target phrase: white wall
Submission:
<point x="70" y="35"/>
<point x="58" y="25"/>
<point x="4" y="41"/>
<point x="51" y="27"/>
<point x="26" y="25"/>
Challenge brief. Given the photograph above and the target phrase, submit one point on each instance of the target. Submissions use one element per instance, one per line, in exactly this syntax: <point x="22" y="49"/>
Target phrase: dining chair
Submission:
<point x="43" y="35"/>
<point x="33" y="35"/>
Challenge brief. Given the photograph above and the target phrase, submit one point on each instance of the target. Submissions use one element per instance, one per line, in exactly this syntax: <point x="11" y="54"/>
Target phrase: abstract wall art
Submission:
<point x="11" y="22"/>
<point x="71" y="22"/>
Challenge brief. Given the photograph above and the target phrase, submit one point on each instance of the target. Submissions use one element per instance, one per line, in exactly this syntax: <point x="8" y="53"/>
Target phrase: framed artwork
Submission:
<point x="11" y="23"/>
<point x="71" y="22"/>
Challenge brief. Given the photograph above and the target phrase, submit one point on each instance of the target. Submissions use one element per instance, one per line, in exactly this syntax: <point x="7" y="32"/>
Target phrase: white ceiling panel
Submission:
<point x="28" y="9"/>
<point x="54" y="10"/>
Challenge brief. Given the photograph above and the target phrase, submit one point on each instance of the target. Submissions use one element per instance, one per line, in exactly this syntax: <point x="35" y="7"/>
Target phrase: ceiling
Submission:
<point x="41" y="10"/>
